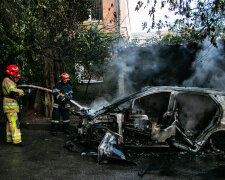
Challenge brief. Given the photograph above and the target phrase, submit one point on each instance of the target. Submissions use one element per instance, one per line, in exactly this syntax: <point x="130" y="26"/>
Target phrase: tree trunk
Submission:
<point x="51" y="71"/>
<point x="37" y="102"/>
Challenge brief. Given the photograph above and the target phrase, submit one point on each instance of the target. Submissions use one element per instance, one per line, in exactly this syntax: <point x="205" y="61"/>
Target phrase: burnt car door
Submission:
<point x="147" y="112"/>
<point x="196" y="114"/>
<point x="153" y="106"/>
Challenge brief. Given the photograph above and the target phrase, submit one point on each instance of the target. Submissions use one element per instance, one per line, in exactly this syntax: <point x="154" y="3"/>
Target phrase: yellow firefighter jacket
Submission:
<point x="9" y="103"/>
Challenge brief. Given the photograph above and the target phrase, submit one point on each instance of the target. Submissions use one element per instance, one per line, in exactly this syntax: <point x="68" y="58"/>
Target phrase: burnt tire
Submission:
<point x="217" y="142"/>
<point x="96" y="135"/>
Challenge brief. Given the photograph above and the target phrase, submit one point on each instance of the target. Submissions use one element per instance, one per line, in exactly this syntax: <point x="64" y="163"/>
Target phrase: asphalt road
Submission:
<point x="44" y="157"/>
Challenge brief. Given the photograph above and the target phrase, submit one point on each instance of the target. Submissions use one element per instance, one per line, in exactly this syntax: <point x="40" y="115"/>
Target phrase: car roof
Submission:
<point x="184" y="89"/>
<point x="155" y="89"/>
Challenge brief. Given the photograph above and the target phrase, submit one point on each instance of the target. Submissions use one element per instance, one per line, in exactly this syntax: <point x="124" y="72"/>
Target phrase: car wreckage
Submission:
<point x="181" y="117"/>
<point x="186" y="118"/>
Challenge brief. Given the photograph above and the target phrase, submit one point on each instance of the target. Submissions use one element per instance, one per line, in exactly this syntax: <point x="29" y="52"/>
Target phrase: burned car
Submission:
<point x="186" y="118"/>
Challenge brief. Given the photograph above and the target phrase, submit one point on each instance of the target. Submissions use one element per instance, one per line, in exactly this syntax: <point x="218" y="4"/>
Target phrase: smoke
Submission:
<point x="195" y="112"/>
<point x="195" y="64"/>
<point x="209" y="67"/>
<point x="151" y="65"/>
<point x="99" y="103"/>
<point x="134" y="67"/>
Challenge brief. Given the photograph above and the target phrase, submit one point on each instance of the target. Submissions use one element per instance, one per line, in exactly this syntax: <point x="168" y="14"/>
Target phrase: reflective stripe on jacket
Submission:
<point x="9" y="104"/>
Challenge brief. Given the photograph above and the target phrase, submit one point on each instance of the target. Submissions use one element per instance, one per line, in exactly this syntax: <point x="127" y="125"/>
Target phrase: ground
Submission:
<point x="44" y="157"/>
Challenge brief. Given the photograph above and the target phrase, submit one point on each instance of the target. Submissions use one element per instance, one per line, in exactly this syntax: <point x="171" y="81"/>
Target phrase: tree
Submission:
<point x="47" y="37"/>
<point x="89" y="48"/>
<point x="205" y="17"/>
<point x="32" y="36"/>
<point x="186" y="36"/>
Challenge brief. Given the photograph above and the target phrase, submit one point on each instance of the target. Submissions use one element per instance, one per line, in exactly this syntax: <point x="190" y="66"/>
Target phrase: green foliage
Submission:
<point x="32" y="31"/>
<point x="186" y="36"/>
<point x="205" y="17"/>
<point x="34" y="36"/>
<point x="89" y="51"/>
<point x="172" y="39"/>
<point x="45" y="37"/>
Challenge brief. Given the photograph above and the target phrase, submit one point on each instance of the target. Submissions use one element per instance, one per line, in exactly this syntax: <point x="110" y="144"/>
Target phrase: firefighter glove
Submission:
<point x="62" y="98"/>
<point x="21" y="92"/>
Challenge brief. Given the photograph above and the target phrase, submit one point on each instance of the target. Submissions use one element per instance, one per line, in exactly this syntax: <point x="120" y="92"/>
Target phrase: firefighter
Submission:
<point x="62" y="93"/>
<point x="10" y="105"/>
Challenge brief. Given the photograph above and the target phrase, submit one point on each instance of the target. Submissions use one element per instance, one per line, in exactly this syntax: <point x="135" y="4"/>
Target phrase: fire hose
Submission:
<point x="49" y="90"/>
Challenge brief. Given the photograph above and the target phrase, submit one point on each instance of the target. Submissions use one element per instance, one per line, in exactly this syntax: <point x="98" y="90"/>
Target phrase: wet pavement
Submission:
<point x="44" y="157"/>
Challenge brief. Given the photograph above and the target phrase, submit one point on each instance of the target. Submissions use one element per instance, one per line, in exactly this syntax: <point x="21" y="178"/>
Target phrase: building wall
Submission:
<point x="125" y="28"/>
<point x="110" y="14"/>
<point x="115" y="17"/>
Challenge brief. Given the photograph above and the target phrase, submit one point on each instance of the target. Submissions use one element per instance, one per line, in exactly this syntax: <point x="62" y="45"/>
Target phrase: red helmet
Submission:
<point x="64" y="76"/>
<point x="12" y="69"/>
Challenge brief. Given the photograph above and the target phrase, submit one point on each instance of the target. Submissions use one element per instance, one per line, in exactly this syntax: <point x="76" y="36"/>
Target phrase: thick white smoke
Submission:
<point x="209" y="67"/>
<point x="99" y="103"/>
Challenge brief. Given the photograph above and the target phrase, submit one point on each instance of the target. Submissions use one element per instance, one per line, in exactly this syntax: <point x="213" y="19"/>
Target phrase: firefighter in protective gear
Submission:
<point x="62" y="93"/>
<point x="11" y="106"/>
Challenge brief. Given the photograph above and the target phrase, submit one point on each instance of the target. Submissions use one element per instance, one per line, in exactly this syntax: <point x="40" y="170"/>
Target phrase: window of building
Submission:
<point x="96" y="13"/>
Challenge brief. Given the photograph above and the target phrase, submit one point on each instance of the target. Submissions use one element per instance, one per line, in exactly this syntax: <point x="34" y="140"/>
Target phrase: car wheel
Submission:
<point x="96" y="135"/>
<point x="217" y="143"/>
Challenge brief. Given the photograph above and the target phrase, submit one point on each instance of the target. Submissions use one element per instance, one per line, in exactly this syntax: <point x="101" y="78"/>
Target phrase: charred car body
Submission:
<point x="186" y="118"/>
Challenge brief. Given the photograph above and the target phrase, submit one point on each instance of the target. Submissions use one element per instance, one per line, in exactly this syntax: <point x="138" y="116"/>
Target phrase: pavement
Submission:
<point x="44" y="157"/>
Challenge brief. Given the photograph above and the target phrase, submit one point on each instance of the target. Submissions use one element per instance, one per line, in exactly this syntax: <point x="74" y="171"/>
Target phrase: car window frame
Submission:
<point x="210" y="127"/>
<point x="151" y="93"/>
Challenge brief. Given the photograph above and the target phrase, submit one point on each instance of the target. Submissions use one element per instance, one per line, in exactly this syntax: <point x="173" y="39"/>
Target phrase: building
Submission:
<point x="116" y="15"/>
<point x="112" y="15"/>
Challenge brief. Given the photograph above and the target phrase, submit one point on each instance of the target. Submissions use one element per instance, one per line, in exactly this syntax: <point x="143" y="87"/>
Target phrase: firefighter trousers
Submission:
<point x="56" y="117"/>
<point x="13" y="133"/>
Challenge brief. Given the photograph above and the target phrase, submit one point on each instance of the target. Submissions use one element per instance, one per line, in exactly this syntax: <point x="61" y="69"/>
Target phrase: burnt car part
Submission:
<point x="162" y="117"/>
<point x="96" y="135"/>
<point x="186" y="118"/>
<point x="110" y="147"/>
<point x="216" y="142"/>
